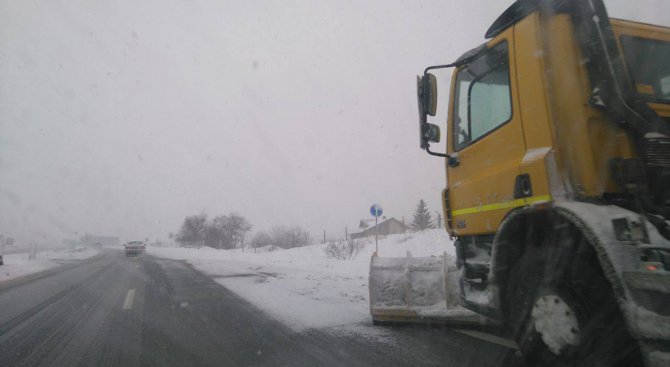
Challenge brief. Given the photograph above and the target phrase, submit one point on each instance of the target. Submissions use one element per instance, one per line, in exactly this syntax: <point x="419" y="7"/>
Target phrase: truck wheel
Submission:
<point x="562" y="309"/>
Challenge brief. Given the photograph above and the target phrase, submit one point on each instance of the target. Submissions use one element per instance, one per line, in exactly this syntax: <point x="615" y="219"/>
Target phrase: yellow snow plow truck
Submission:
<point x="558" y="189"/>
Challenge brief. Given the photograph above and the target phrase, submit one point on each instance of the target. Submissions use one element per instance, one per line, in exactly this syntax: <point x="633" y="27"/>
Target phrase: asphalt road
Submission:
<point x="144" y="311"/>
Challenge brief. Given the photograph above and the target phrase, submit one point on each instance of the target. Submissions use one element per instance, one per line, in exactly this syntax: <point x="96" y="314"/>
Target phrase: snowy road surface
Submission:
<point x="302" y="287"/>
<point x="118" y="311"/>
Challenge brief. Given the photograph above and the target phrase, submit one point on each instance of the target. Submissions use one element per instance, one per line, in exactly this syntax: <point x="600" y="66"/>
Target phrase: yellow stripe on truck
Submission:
<point x="504" y="205"/>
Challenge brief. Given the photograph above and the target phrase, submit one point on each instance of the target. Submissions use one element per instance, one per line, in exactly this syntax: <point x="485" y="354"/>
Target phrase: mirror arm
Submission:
<point x="425" y="72"/>
<point x="437" y="154"/>
<point x="452" y="160"/>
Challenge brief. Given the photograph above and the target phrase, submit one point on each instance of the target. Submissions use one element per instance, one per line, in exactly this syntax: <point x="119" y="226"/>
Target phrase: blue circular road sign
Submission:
<point x="376" y="210"/>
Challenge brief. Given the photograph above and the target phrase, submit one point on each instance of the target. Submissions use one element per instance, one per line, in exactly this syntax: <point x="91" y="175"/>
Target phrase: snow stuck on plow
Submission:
<point x="417" y="289"/>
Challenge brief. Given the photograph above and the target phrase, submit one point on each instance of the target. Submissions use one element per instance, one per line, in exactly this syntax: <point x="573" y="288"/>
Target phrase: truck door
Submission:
<point x="486" y="134"/>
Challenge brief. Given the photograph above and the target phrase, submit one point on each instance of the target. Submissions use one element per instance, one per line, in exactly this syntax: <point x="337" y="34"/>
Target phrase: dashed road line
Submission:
<point x="130" y="297"/>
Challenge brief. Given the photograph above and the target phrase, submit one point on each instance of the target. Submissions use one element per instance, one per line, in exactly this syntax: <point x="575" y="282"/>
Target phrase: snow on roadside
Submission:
<point x="18" y="265"/>
<point x="302" y="287"/>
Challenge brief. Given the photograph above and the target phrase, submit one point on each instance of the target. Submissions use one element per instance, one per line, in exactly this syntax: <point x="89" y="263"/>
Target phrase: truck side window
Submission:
<point x="483" y="96"/>
<point x="648" y="66"/>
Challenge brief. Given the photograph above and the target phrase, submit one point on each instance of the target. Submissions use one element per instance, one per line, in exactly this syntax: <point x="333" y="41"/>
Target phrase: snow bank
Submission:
<point x="302" y="287"/>
<point x="18" y="265"/>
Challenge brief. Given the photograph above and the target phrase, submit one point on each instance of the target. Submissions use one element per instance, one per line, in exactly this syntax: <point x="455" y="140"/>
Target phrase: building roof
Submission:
<point x="381" y="224"/>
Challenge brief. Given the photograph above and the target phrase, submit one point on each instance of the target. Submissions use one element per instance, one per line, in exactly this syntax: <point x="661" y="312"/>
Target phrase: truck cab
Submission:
<point x="558" y="175"/>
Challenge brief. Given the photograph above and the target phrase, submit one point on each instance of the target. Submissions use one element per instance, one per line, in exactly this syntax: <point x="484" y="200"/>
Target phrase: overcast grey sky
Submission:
<point x="122" y="117"/>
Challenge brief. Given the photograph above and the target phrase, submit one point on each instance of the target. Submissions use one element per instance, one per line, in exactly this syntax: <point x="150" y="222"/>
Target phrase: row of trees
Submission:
<point x="221" y="232"/>
<point x="229" y="231"/>
<point x="283" y="237"/>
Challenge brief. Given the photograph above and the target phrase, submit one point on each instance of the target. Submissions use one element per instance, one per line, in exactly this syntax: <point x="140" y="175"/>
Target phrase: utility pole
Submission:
<point x="376" y="233"/>
<point x="376" y="211"/>
<point x="32" y="251"/>
<point x="324" y="236"/>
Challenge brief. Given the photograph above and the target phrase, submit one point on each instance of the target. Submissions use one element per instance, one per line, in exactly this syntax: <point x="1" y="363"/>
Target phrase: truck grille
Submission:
<point x="658" y="152"/>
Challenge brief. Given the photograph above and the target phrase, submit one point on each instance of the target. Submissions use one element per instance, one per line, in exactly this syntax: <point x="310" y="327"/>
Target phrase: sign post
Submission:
<point x="376" y="211"/>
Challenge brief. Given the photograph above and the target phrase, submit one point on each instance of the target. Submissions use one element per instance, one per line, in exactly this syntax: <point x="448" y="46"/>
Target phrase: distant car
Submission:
<point x="133" y="248"/>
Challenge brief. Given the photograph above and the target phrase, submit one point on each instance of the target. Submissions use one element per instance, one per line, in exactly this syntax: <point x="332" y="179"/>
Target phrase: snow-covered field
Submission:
<point x="302" y="287"/>
<point x="18" y="265"/>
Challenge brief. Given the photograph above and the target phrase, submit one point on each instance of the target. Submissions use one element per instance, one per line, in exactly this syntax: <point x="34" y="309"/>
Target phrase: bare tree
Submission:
<point x="260" y="239"/>
<point x="193" y="230"/>
<point x="238" y="227"/>
<point x="343" y="250"/>
<point x="289" y="237"/>
<point x="217" y="233"/>
<point x="227" y="231"/>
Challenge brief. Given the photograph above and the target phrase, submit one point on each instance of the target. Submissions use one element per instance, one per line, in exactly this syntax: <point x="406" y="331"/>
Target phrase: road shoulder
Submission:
<point x="53" y="267"/>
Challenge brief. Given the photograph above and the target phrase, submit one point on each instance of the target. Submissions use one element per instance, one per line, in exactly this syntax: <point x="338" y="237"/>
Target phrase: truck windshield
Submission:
<point x="649" y="68"/>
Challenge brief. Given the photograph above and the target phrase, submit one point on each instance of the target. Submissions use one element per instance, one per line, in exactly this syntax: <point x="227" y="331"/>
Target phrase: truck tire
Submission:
<point x="561" y="308"/>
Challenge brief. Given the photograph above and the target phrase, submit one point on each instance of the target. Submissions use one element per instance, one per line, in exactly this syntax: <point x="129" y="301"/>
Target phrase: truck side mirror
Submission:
<point x="427" y="90"/>
<point x="431" y="133"/>
<point x="427" y="101"/>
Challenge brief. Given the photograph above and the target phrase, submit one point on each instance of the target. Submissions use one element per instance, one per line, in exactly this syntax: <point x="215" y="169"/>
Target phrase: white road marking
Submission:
<point x="489" y="338"/>
<point x="130" y="297"/>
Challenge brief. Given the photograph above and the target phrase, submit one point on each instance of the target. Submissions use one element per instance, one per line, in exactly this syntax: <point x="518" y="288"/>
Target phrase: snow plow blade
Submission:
<point x="417" y="289"/>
